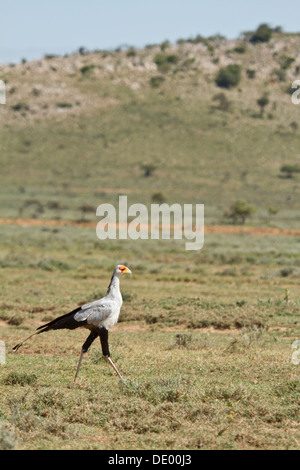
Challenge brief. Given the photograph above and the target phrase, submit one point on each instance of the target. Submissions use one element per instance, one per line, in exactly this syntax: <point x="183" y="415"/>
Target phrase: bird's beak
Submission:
<point x="128" y="271"/>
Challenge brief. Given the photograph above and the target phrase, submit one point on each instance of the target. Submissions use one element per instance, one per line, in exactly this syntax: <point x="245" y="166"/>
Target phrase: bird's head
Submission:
<point x="121" y="269"/>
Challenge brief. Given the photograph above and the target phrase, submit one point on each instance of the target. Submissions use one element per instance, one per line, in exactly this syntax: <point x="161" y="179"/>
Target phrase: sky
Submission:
<point x="31" y="28"/>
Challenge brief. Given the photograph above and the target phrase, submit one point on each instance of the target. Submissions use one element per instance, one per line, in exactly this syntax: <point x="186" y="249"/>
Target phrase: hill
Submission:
<point x="79" y="130"/>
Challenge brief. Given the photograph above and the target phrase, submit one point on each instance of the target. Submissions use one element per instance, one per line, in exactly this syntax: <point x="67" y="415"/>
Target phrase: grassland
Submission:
<point x="204" y="338"/>
<point x="204" y="342"/>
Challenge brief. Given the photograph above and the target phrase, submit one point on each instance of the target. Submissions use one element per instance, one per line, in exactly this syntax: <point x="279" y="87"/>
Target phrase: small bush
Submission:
<point x="53" y="205"/>
<point x="12" y="90"/>
<point x="32" y="202"/>
<point x="240" y="49"/>
<point x="285" y="62"/>
<point x="165" y="61"/>
<point x="36" y="91"/>
<point x="64" y="105"/>
<point x="87" y="68"/>
<point x="20" y="107"/>
<point x="229" y="76"/>
<point x="289" y="170"/>
<point x="148" y="169"/>
<point x="160" y="59"/>
<point x="173" y="58"/>
<point x="206" y="41"/>
<point x="15" y="378"/>
<point x="131" y="52"/>
<point x="224" y="104"/>
<point x="15" y="320"/>
<point x="158" y="198"/>
<point x="285" y="272"/>
<point x="294" y="126"/>
<point x="87" y="208"/>
<point x="155" y="82"/>
<point x="82" y="50"/>
<point x="50" y="56"/>
<point x="250" y="73"/>
<point x="262" y="34"/>
<point x="164" y="45"/>
<point x="272" y="210"/>
<point x="280" y="74"/>
<point x="183" y="340"/>
<point x="187" y="63"/>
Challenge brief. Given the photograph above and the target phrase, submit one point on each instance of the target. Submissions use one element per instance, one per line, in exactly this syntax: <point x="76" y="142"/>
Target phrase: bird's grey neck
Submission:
<point x="114" y="286"/>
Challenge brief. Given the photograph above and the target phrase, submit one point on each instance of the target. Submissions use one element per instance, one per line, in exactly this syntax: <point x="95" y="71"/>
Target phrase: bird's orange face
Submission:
<point x="123" y="269"/>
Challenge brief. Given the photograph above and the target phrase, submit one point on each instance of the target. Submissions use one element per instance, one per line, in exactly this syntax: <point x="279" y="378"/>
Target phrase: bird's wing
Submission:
<point x="95" y="312"/>
<point x="95" y="303"/>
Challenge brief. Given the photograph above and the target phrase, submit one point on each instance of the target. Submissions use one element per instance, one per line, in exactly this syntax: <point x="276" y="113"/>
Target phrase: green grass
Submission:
<point x="205" y="348"/>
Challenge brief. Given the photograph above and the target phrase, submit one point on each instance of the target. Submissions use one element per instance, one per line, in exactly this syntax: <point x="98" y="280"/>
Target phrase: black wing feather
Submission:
<point x="65" y="321"/>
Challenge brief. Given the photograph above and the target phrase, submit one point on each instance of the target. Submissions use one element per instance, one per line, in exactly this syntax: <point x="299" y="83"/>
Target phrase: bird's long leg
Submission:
<point x="113" y="366"/>
<point x="92" y="336"/>
<point x="78" y="367"/>
<point x="105" y="349"/>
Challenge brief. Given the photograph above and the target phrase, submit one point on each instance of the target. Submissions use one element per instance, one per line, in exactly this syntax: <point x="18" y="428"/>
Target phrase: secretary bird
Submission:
<point x="98" y="317"/>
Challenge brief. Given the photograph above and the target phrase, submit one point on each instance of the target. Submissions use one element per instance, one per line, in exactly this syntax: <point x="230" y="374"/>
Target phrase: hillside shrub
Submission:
<point x="158" y="198"/>
<point x="64" y="104"/>
<point x="131" y="52"/>
<point x="20" y="107"/>
<point x="165" y="61"/>
<point x="229" y="77"/>
<point x="286" y="62"/>
<point x="251" y="73"/>
<point x="240" y="49"/>
<point x="164" y="45"/>
<point x="280" y="74"/>
<point x="223" y="103"/>
<point x="87" y="68"/>
<point x="262" y="34"/>
<point x="156" y="81"/>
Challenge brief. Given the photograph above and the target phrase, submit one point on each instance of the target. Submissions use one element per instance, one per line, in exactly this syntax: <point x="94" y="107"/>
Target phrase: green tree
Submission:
<point x="262" y="102"/>
<point x="240" y="211"/>
<point x="148" y="169"/>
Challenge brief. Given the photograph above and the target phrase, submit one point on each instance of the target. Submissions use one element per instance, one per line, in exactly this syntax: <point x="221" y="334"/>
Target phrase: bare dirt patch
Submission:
<point x="222" y="229"/>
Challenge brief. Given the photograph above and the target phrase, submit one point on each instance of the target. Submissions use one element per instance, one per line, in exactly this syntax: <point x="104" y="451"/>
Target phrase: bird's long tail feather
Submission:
<point x="17" y="346"/>
<point x="65" y="321"/>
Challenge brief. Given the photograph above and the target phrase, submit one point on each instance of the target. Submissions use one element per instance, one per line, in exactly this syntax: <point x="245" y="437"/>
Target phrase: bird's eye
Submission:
<point x="122" y="268"/>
